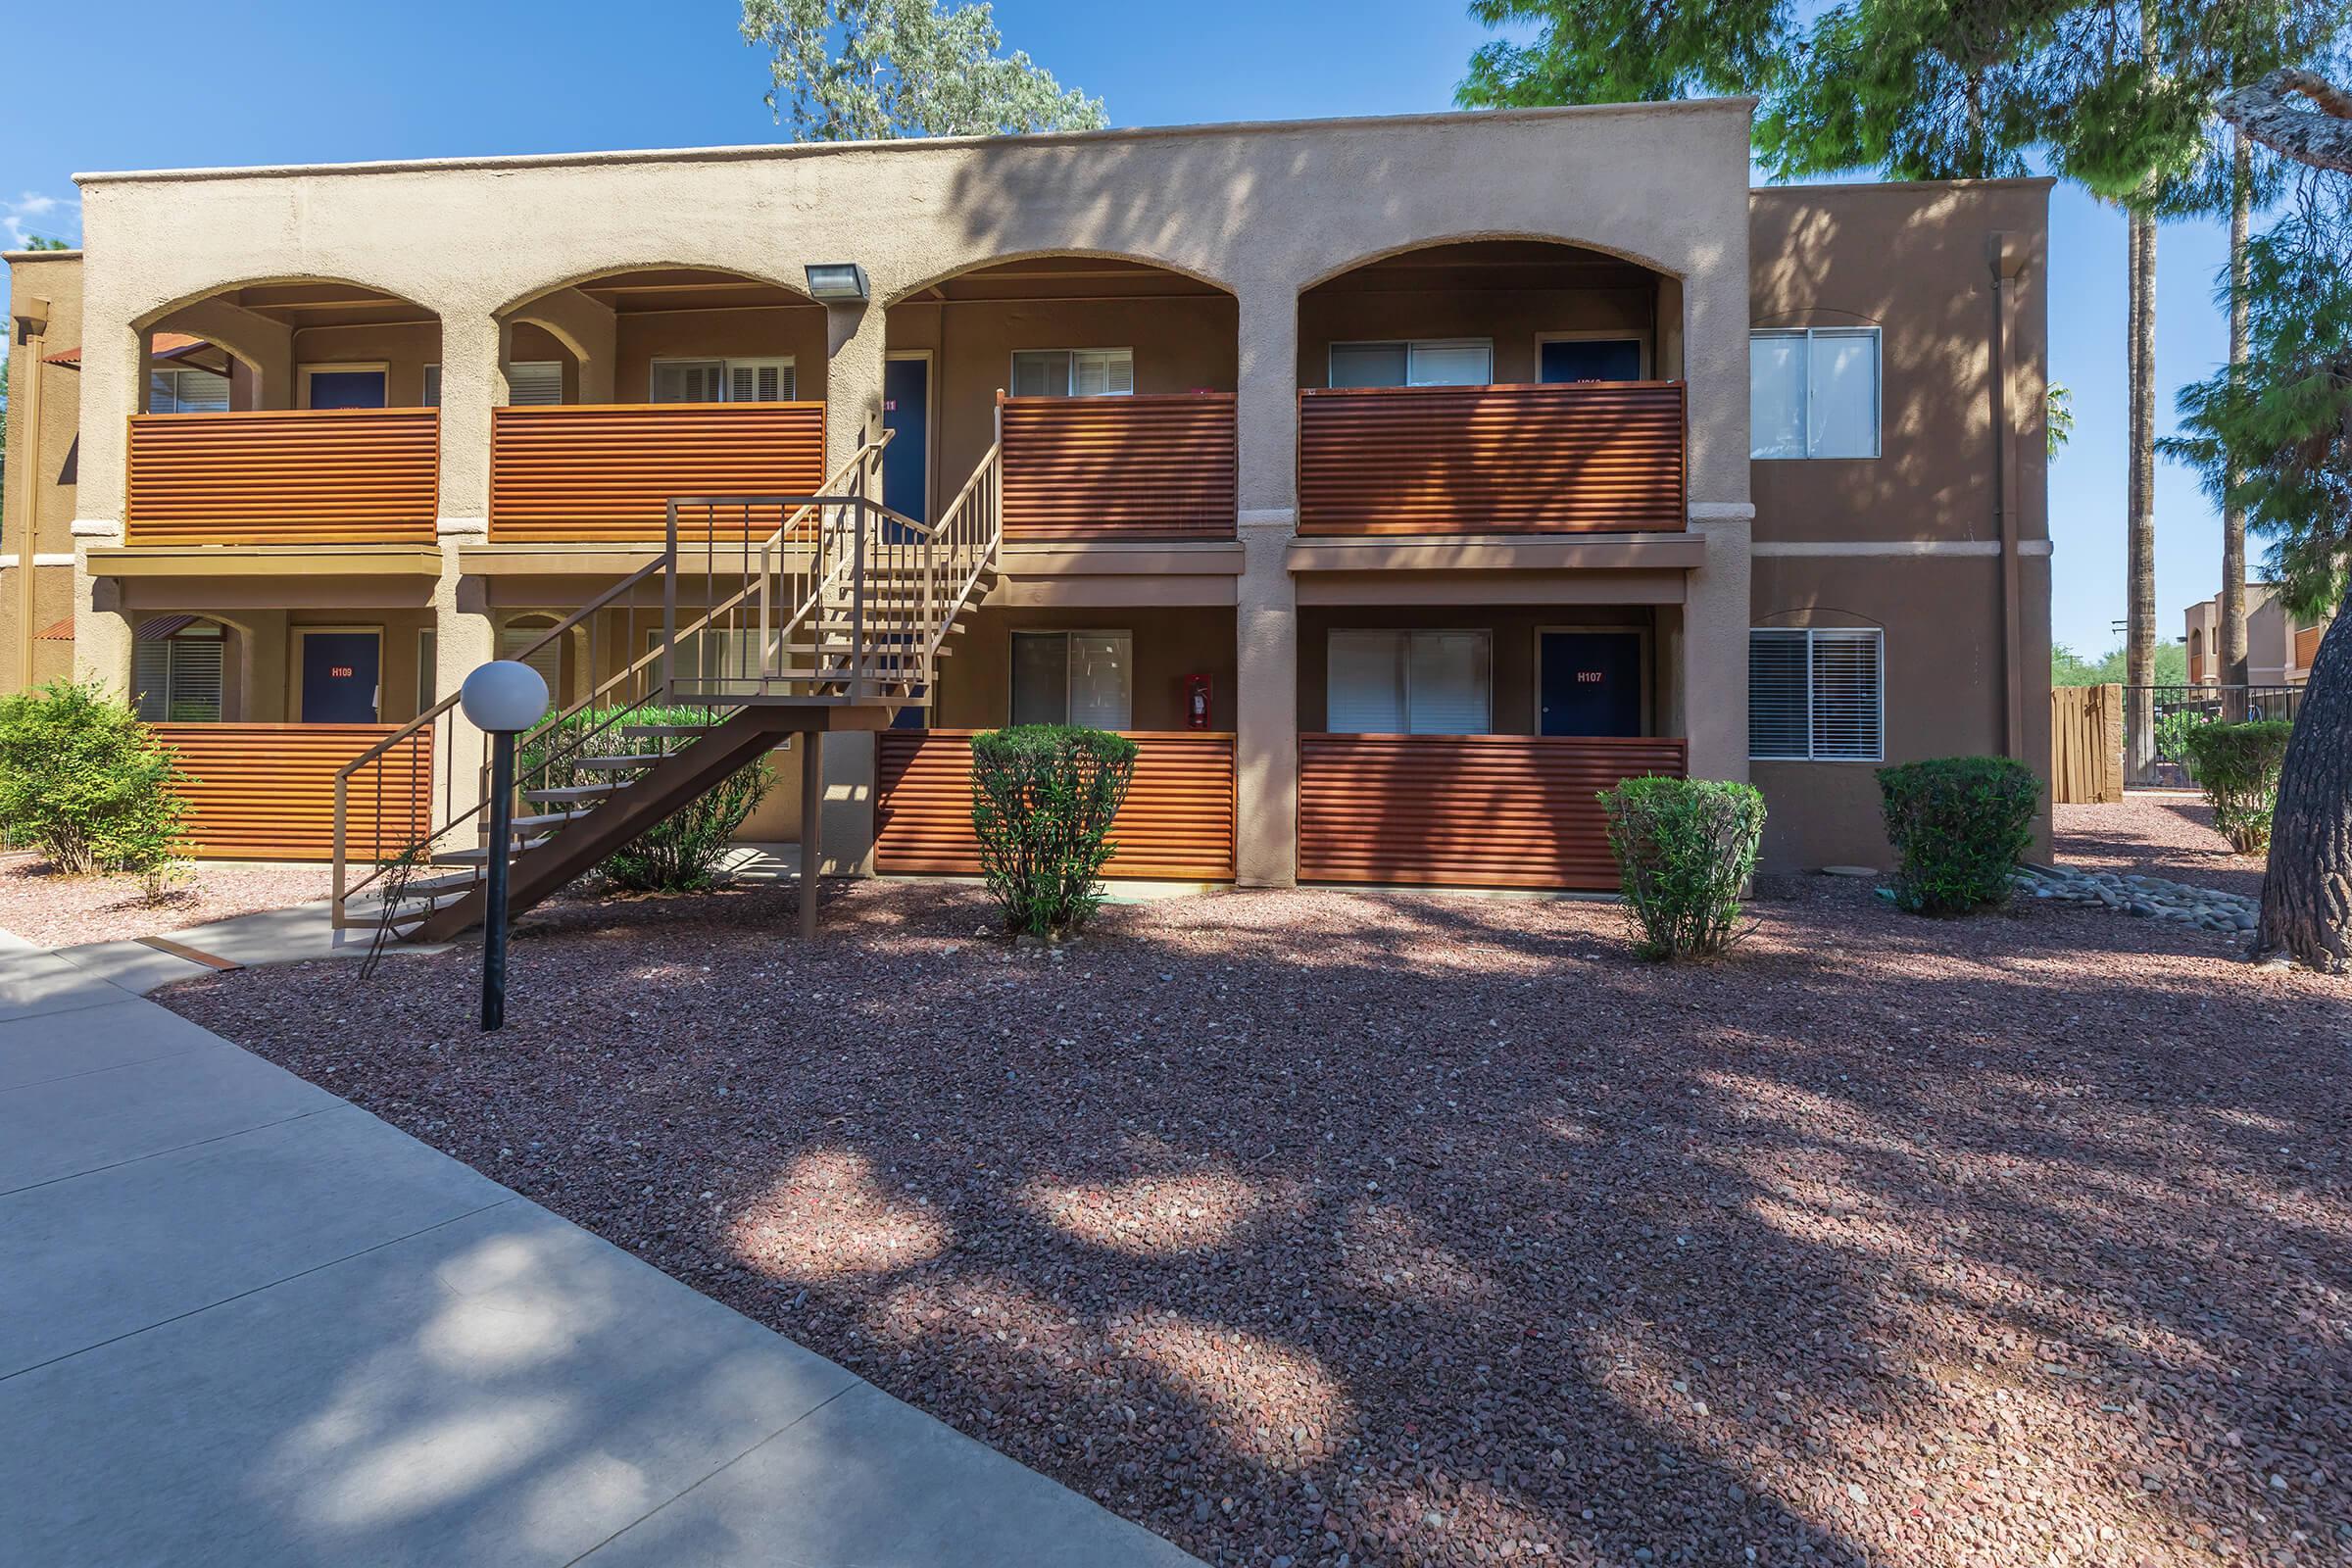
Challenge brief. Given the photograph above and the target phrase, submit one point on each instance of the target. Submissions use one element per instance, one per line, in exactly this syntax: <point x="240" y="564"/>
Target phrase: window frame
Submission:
<point x="1877" y="638"/>
<point x="727" y="366"/>
<point x="1065" y="633"/>
<point x="1597" y="334"/>
<point x="1878" y="391"/>
<point x="1409" y="344"/>
<point x="216" y="638"/>
<point x="157" y="371"/>
<point x="1013" y="361"/>
<point x="1405" y="670"/>
<point x="383" y="368"/>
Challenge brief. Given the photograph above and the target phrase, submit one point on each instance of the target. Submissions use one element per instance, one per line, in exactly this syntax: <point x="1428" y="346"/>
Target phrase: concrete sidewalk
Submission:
<point x="244" y="1322"/>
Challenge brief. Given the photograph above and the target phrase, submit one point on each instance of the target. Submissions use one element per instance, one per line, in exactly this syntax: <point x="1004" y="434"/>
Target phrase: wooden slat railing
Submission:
<point x="1177" y="823"/>
<point x="585" y="474"/>
<point x="1465" y="811"/>
<point x="1587" y="457"/>
<point x="285" y="477"/>
<point x="267" y="792"/>
<point x="1119" y="467"/>
<point x="2306" y="646"/>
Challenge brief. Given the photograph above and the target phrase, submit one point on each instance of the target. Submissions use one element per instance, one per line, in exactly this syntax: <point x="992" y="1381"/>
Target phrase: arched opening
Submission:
<point x="298" y="344"/>
<point x="665" y="334"/>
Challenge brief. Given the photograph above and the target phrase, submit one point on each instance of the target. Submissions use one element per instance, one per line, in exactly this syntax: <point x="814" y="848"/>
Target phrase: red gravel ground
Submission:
<point x="1327" y="1229"/>
<point x="2167" y="833"/>
<point x="54" y="911"/>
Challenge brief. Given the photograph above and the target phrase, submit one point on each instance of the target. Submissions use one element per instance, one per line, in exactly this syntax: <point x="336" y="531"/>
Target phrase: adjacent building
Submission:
<point x="2280" y="648"/>
<point x="1399" y="482"/>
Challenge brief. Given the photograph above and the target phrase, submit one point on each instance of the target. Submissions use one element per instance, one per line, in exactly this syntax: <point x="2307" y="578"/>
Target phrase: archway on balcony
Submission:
<point x="299" y="343"/>
<point x="1116" y="380"/>
<point x="632" y="387"/>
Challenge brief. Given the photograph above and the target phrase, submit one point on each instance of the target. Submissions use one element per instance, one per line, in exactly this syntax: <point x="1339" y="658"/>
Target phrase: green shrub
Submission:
<point x="2172" y="736"/>
<point x="2237" y="766"/>
<point x="682" y="852"/>
<point x="82" y="780"/>
<point x="1042" y="800"/>
<point x="1958" y="825"/>
<point x="1684" y="848"/>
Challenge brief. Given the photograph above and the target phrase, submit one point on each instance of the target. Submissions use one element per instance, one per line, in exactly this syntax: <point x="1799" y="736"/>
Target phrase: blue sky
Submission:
<point x="276" y="83"/>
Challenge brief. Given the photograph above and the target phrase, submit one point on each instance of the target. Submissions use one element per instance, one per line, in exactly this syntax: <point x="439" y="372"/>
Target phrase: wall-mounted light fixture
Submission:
<point x="837" y="283"/>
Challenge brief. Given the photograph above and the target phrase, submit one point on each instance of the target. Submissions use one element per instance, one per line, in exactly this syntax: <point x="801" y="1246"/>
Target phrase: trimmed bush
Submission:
<point x="89" y="785"/>
<point x="684" y="852"/>
<point x="1042" y="800"/>
<point x="1684" y="848"/>
<point x="2237" y="767"/>
<point x="2171" y="737"/>
<point x="1958" y="825"/>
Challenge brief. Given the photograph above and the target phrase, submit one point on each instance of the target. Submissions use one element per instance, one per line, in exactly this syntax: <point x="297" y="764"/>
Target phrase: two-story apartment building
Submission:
<point x="1399" y="482"/>
<point x="2280" y="647"/>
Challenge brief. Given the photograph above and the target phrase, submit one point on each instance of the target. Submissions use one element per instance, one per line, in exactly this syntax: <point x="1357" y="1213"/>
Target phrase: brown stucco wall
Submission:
<point x="1910" y="541"/>
<point x="45" y="470"/>
<point x="796" y="332"/>
<point x="1513" y="634"/>
<point x="975" y="685"/>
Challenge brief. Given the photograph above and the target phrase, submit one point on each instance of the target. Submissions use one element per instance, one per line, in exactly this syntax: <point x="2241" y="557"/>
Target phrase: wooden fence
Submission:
<point x="1123" y="468"/>
<point x="1176" y="825"/>
<point x="1574" y="458"/>
<point x="285" y="477"/>
<point x="579" y="473"/>
<point x="267" y="792"/>
<point x="2086" y="745"/>
<point x="1466" y="810"/>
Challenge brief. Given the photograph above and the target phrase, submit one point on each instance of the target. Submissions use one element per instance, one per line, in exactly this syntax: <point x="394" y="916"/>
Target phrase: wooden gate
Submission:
<point x="2086" y="745"/>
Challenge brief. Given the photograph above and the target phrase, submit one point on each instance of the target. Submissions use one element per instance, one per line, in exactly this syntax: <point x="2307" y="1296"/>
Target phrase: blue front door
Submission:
<point x="347" y="389"/>
<point x="1593" y="359"/>
<point x="1591" y="683"/>
<point x="906" y="460"/>
<point x="339" y="675"/>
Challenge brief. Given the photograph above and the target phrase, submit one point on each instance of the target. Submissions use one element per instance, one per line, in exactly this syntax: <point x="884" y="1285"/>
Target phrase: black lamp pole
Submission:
<point x="494" y="914"/>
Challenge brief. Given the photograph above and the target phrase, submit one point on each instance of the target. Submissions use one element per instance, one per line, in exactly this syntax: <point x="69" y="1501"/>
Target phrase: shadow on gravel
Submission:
<point x="1438" y="1231"/>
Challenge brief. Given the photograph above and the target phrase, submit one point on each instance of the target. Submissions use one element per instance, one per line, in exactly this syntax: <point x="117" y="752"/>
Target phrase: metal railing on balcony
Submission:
<point x="1587" y="457"/>
<point x="585" y="474"/>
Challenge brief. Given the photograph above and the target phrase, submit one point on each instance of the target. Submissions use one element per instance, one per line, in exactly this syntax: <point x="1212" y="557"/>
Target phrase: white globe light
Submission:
<point x="504" y="697"/>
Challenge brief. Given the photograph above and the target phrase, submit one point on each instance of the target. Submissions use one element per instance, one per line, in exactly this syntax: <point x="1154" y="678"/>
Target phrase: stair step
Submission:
<point x="520" y="824"/>
<point x="667" y="731"/>
<point x="613" y="764"/>
<point x="579" y="792"/>
<point x="481" y="857"/>
<point x="434" y="887"/>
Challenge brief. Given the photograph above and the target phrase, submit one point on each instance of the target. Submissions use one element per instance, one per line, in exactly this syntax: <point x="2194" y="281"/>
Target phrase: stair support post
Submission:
<point x="813" y="802"/>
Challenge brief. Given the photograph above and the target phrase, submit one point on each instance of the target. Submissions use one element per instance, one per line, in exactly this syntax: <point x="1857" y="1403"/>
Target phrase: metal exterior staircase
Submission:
<point x="816" y="614"/>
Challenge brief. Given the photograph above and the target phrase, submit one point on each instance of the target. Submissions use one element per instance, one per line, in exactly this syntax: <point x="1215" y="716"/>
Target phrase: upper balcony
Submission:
<point x="1492" y="387"/>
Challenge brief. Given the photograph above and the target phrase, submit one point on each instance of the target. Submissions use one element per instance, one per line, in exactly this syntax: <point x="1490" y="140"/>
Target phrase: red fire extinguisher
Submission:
<point x="1196" y="701"/>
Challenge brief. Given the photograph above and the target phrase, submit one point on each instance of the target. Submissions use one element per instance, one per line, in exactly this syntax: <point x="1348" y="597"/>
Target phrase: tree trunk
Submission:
<point x="2233" y="630"/>
<point x="2139" y="628"/>
<point x="2307" y="892"/>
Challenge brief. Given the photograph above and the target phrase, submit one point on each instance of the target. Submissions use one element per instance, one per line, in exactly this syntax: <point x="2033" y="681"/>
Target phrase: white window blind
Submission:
<point x="1816" y="694"/>
<point x="428" y="670"/>
<point x="1427" y="361"/>
<point x="533" y="383"/>
<point x="1813" y="392"/>
<point x="548" y="660"/>
<point x="184" y="391"/>
<point x="1409" y="683"/>
<point x="725" y="381"/>
<point x="1084" y="678"/>
<point x="178" y="679"/>
<point x="1073" y="373"/>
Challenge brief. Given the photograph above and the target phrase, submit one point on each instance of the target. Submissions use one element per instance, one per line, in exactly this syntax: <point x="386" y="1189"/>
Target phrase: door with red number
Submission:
<point x="1591" y="683"/>
<point x="340" y="672"/>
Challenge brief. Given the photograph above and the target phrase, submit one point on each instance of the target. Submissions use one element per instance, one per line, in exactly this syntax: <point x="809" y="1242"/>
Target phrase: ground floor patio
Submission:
<point x="1428" y="1229"/>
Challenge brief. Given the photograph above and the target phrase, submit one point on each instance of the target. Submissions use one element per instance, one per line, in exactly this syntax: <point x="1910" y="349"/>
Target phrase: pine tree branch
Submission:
<point x="2269" y="112"/>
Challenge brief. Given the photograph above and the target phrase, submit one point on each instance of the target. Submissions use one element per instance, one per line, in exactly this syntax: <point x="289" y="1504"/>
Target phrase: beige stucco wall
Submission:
<point x="1263" y="213"/>
<point x="43" y="466"/>
<point x="1910" y="541"/>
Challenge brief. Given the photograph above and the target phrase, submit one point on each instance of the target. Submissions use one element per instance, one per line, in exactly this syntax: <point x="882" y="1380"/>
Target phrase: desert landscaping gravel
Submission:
<point x="53" y="911"/>
<point x="2165" y="833"/>
<point x="1313" y="1228"/>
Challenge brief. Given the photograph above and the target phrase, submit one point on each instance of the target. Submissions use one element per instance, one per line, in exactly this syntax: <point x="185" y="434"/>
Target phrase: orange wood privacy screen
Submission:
<point x="2306" y="646"/>
<point x="596" y="473"/>
<point x="267" y="792"/>
<point x="1177" y="823"/>
<point x="1587" y="457"/>
<point x="1119" y="467"/>
<point x="285" y="477"/>
<point x="1465" y="811"/>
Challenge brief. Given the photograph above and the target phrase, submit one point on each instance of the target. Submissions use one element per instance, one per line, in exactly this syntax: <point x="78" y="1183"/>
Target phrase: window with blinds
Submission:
<point x="1816" y="694"/>
<point x="1074" y="677"/>
<point x="182" y="390"/>
<point x="1409" y="683"/>
<point x="1426" y="361"/>
<point x="725" y="381"/>
<point x="1813" y="393"/>
<point x="179" y="677"/>
<point x="728" y="654"/>
<point x="1073" y="373"/>
<point x="548" y="660"/>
